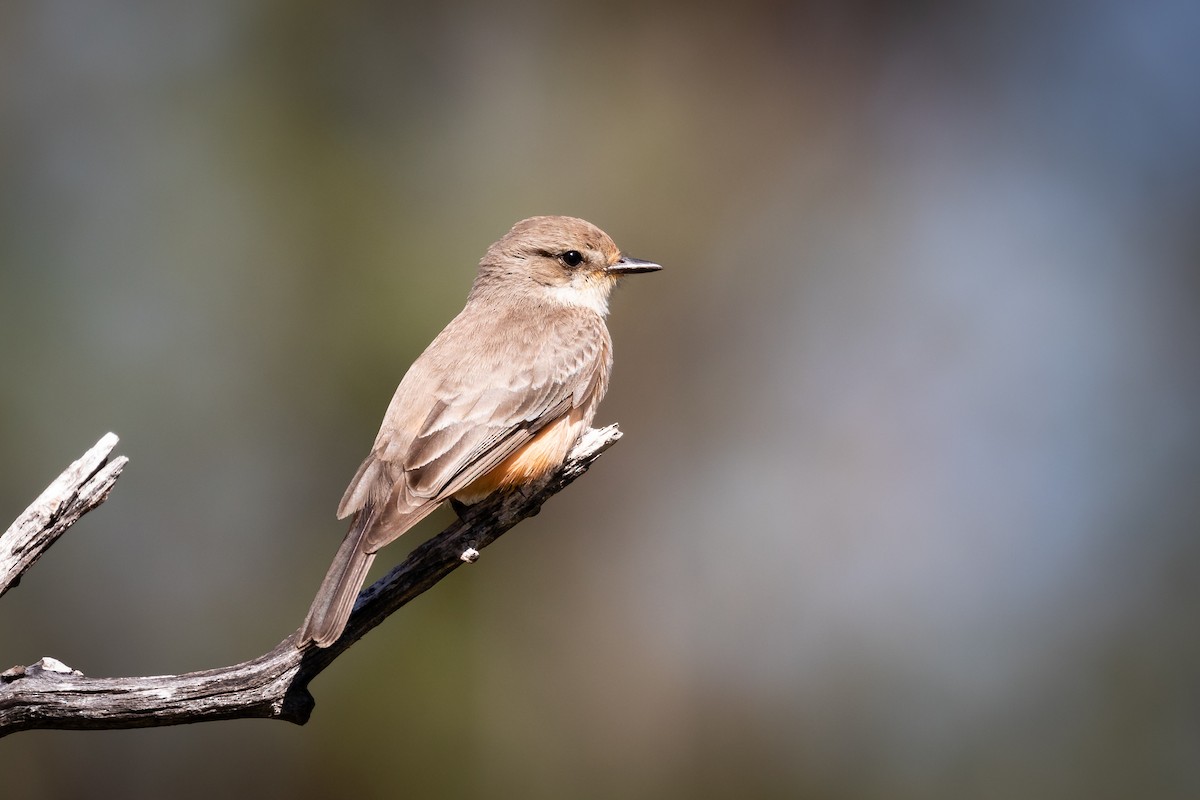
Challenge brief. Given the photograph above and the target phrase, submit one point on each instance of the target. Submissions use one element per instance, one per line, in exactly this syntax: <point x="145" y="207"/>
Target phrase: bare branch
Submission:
<point x="80" y="488"/>
<point x="50" y="694"/>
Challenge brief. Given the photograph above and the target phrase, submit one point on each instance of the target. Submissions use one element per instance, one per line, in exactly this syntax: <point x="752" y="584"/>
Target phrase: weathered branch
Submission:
<point x="49" y="694"/>
<point x="80" y="488"/>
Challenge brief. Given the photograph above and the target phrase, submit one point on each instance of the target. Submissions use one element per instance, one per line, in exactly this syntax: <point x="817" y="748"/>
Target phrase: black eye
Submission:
<point x="572" y="258"/>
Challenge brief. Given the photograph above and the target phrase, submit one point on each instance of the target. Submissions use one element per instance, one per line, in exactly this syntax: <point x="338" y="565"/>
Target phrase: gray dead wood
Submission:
<point x="49" y="694"/>
<point x="82" y="486"/>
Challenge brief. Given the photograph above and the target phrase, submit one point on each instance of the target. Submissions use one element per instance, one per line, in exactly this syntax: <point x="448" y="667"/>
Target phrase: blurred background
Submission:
<point x="907" y="504"/>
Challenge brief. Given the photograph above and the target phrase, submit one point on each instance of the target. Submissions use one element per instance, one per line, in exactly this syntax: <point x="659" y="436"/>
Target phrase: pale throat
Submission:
<point x="584" y="292"/>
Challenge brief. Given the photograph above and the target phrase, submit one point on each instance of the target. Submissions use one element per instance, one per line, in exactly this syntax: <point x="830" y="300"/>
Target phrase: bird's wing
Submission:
<point x="481" y="412"/>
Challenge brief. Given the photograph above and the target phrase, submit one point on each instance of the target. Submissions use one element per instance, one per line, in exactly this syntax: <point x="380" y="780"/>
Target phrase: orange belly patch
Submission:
<point x="541" y="455"/>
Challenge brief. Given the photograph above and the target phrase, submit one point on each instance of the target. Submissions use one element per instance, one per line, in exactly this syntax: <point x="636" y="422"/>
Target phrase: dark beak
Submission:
<point x="627" y="265"/>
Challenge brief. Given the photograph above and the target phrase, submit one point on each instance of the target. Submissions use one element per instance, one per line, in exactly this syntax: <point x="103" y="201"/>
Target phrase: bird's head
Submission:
<point x="567" y="260"/>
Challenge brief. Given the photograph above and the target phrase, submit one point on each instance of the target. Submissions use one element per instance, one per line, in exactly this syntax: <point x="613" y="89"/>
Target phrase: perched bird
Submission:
<point x="496" y="401"/>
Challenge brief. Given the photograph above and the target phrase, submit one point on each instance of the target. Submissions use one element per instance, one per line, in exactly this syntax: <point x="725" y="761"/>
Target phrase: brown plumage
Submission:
<point x="497" y="399"/>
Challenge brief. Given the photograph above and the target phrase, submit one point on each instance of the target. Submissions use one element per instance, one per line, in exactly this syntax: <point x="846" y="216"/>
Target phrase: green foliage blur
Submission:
<point x="907" y="503"/>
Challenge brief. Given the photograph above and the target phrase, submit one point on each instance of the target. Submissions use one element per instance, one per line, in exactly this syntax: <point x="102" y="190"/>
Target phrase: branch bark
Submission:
<point x="50" y="694"/>
<point x="80" y="488"/>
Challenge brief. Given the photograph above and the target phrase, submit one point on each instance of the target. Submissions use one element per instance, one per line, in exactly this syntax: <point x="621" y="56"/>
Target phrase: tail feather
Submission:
<point x="335" y="599"/>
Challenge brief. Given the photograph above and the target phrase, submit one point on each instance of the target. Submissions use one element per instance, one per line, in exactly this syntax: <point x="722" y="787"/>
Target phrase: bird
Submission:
<point x="495" y="402"/>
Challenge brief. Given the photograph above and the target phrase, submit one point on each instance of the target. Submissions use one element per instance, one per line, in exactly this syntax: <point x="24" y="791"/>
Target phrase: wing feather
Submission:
<point x="452" y="422"/>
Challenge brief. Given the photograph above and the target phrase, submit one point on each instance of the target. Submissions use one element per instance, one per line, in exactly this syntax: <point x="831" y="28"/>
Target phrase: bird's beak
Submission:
<point x="627" y="265"/>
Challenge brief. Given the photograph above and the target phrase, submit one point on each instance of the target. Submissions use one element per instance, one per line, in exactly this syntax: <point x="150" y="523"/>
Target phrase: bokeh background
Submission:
<point x="908" y="502"/>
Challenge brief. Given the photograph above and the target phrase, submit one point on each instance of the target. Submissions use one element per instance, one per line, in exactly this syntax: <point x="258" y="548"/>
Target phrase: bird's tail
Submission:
<point x="335" y="599"/>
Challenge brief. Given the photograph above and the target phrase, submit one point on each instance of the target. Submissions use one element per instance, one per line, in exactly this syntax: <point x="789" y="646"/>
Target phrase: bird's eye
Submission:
<point x="572" y="258"/>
